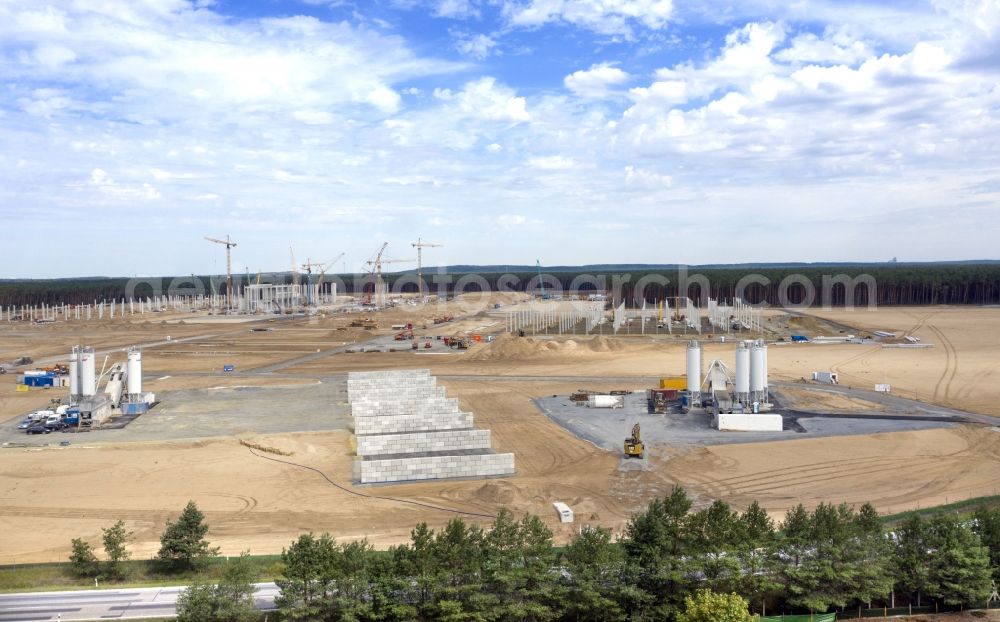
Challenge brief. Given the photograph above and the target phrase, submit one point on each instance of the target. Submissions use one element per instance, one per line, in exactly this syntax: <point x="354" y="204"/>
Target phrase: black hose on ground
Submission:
<point x="367" y="496"/>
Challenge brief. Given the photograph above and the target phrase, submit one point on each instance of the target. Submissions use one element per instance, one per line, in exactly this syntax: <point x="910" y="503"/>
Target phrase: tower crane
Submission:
<point x="376" y="265"/>
<point x="323" y="267"/>
<point x="420" y="245"/>
<point x="375" y="272"/>
<point x="229" y="244"/>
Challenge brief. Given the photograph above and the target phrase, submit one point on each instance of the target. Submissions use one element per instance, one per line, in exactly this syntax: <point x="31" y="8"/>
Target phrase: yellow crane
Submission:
<point x="420" y="245"/>
<point x="229" y="244"/>
<point x="633" y="444"/>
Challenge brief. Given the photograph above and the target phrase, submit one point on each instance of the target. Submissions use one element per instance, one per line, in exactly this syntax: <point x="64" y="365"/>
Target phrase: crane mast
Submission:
<point x="229" y="244"/>
<point x="420" y="245"/>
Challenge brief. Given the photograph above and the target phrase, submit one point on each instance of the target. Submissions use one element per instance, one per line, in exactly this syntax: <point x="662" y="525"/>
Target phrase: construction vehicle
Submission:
<point x="443" y="319"/>
<point x="658" y="400"/>
<point x="457" y="343"/>
<point x="405" y="334"/>
<point x="365" y="322"/>
<point x="633" y="444"/>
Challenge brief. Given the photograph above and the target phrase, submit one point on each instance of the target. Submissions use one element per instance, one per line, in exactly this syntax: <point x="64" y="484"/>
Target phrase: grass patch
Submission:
<point x="966" y="507"/>
<point x="139" y="573"/>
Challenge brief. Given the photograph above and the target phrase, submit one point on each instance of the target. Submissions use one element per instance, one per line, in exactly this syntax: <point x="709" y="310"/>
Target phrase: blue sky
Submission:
<point x="583" y="131"/>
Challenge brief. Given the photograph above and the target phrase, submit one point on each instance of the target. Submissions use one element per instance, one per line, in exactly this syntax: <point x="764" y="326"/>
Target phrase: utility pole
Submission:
<point x="229" y="244"/>
<point x="420" y="245"/>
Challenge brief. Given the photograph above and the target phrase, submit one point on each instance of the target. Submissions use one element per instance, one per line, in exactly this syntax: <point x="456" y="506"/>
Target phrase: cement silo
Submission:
<point x="133" y="373"/>
<point x="694" y="372"/>
<point x="742" y="380"/>
<point x="74" y="374"/>
<point x="88" y="379"/>
<point x="758" y="372"/>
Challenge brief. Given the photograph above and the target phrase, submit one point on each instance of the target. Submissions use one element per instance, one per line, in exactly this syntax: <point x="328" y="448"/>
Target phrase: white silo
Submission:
<point x="134" y="372"/>
<point x="694" y="372"/>
<point x="767" y="396"/>
<point x="742" y="380"/>
<point x="88" y="380"/>
<point x="74" y="373"/>
<point x="757" y="372"/>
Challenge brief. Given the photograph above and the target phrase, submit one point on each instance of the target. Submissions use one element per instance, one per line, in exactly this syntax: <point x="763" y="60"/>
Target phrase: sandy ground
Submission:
<point x="49" y="496"/>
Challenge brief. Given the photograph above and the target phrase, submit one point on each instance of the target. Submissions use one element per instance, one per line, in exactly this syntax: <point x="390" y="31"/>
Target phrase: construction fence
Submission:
<point x="876" y="613"/>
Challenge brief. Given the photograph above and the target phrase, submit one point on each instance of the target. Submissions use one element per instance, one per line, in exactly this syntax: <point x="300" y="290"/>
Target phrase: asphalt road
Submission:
<point x="127" y="604"/>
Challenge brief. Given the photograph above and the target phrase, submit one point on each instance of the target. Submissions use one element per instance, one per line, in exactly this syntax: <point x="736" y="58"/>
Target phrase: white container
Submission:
<point x="606" y="401"/>
<point x="563" y="511"/>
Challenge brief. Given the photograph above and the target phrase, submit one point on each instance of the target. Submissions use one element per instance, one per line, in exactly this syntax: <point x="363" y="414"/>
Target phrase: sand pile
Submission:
<point x="507" y="347"/>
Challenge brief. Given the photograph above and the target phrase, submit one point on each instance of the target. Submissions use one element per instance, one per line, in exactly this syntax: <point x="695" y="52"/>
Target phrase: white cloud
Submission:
<point x="456" y="8"/>
<point x="100" y="180"/>
<point x="596" y="81"/>
<point x="477" y="46"/>
<point x="486" y="99"/>
<point x="603" y="16"/>
<point x="811" y="48"/>
<point x="551" y="163"/>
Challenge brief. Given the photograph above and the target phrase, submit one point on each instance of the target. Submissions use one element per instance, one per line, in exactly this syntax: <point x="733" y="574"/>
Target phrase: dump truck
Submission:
<point x="633" y="444"/>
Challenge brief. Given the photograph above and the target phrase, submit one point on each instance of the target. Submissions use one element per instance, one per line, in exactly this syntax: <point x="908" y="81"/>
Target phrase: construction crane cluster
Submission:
<point x="309" y="267"/>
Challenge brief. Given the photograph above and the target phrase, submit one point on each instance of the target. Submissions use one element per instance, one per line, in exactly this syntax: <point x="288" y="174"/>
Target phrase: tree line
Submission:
<point x="896" y="284"/>
<point x="670" y="563"/>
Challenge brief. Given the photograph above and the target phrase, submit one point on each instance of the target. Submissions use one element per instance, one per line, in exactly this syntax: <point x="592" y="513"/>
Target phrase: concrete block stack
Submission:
<point x="408" y="430"/>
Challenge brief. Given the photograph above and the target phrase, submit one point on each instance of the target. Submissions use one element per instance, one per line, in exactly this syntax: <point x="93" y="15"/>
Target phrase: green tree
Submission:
<point x="870" y="558"/>
<point x="757" y="556"/>
<point x="82" y="559"/>
<point x="231" y="600"/>
<point x="658" y="544"/>
<point x="987" y="526"/>
<point x="116" y="539"/>
<point x="911" y="561"/>
<point x="183" y="545"/>
<point x="595" y="568"/>
<point x="708" y="606"/>
<point x="959" y="570"/>
<point x="304" y="583"/>
<point x="716" y="535"/>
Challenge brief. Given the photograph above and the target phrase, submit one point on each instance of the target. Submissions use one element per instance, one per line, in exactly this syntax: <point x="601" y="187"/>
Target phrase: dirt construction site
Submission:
<point x="266" y="449"/>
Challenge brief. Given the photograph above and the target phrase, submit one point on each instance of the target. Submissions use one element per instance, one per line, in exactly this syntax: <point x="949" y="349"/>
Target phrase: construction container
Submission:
<point x="135" y="408"/>
<point x="678" y="383"/>
<point x="828" y="377"/>
<point x="40" y="381"/>
<point x="564" y="512"/>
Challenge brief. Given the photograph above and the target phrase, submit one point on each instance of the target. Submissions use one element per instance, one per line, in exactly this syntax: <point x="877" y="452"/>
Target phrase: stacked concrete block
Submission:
<point x="433" y="467"/>
<point x="411" y="423"/>
<point x="407" y="429"/>
<point x="423" y="442"/>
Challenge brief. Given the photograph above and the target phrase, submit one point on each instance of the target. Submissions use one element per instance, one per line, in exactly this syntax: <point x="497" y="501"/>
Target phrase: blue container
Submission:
<point x="135" y="408"/>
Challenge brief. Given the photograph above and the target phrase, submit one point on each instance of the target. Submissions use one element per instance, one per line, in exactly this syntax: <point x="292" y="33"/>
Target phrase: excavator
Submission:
<point x="633" y="444"/>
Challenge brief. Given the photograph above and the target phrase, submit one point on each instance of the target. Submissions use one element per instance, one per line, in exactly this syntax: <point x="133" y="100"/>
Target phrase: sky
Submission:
<point x="508" y="131"/>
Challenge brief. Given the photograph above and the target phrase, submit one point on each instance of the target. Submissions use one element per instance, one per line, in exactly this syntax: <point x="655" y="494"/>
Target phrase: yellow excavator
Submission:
<point x="633" y="444"/>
